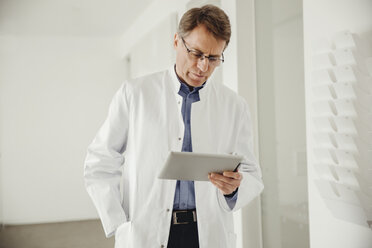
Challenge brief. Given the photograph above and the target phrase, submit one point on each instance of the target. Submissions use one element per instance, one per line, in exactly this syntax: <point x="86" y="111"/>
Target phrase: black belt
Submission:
<point x="183" y="216"/>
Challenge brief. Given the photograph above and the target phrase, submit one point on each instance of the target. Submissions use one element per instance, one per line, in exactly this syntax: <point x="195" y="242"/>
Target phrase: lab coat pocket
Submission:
<point x="232" y="240"/>
<point x="123" y="235"/>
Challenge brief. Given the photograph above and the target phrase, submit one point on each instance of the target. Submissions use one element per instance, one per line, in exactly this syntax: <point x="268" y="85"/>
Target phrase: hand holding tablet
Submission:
<point x="196" y="166"/>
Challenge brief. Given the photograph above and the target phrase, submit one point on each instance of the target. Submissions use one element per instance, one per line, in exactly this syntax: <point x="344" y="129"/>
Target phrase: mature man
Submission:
<point x="175" y="110"/>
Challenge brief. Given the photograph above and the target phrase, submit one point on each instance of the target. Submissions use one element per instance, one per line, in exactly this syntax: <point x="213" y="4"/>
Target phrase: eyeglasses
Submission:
<point x="197" y="55"/>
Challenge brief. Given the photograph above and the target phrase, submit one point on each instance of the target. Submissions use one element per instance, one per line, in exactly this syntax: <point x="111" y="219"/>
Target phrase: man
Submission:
<point x="175" y="110"/>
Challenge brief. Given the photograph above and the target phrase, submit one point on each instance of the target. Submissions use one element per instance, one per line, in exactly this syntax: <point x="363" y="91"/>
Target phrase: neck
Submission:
<point x="181" y="80"/>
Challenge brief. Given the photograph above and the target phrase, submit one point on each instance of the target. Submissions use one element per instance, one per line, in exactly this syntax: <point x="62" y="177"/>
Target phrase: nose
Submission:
<point x="203" y="64"/>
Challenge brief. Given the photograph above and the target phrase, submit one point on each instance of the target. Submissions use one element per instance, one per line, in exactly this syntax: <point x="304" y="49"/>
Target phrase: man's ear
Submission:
<point x="175" y="42"/>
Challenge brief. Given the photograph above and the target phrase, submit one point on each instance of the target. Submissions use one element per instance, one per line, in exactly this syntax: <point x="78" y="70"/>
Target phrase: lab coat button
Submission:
<point x="179" y="138"/>
<point x="168" y="209"/>
<point x="162" y="246"/>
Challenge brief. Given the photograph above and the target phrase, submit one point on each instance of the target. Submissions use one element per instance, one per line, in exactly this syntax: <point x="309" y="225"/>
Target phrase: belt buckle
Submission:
<point x="175" y="220"/>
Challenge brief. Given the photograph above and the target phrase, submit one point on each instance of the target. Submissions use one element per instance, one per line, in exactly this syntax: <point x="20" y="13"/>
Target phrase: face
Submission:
<point x="196" y="72"/>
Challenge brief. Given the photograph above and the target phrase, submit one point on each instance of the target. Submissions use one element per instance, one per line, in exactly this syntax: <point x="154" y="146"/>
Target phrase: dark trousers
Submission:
<point x="183" y="236"/>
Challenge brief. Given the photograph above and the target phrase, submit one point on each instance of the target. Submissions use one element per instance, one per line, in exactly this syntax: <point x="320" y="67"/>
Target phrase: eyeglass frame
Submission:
<point x="201" y="56"/>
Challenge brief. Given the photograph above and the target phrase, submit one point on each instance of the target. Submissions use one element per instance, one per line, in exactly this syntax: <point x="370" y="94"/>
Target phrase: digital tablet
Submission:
<point x="192" y="166"/>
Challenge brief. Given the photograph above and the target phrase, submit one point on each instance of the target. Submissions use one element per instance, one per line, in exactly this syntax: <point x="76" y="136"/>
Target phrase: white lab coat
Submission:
<point x="145" y="121"/>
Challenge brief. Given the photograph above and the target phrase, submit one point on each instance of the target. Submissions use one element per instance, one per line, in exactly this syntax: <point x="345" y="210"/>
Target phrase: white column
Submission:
<point x="239" y="73"/>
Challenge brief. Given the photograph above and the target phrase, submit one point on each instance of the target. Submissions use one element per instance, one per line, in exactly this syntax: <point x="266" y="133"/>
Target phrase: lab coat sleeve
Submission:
<point x="251" y="185"/>
<point x="102" y="168"/>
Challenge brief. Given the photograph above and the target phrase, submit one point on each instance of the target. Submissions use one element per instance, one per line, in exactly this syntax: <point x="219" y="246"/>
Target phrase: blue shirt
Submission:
<point x="184" y="197"/>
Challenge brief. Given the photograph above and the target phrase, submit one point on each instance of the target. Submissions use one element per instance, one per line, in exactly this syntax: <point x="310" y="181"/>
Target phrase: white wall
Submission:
<point x="281" y="111"/>
<point x="148" y="57"/>
<point x="54" y="96"/>
<point x="149" y="19"/>
<point x="322" y="19"/>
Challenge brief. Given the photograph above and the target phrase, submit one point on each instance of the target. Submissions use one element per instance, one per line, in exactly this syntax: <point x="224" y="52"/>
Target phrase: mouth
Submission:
<point x="197" y="75"/>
